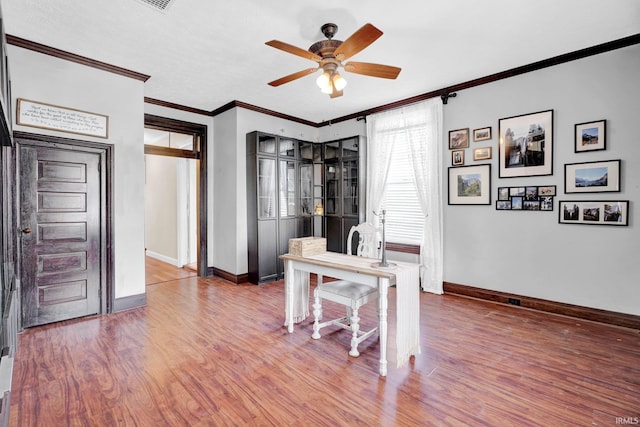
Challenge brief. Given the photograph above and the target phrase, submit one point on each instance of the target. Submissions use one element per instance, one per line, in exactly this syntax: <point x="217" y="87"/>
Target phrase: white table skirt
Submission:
<point x="406" y="277"/>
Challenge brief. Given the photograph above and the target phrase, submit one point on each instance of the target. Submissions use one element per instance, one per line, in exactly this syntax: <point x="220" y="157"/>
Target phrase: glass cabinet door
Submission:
<point x="332" y="176"/>
<point x="306" y="150"/>
<point x="350" y="147"/>
<point x="287" y="188"/>
<point x="267" y="144"/>
<point x="266" y="188"/>
<point x="306" y="189"/>
<point x="287" y="147"/>
<point x="332" y="150"/>
<point x="350" y="187"/>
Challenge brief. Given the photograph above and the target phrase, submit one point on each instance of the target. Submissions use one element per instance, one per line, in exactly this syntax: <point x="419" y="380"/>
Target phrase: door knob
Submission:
<point x="26" y="230"/>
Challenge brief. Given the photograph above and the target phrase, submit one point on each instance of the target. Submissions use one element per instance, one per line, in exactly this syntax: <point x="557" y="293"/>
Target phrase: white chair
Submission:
<point x="352" y="295"/>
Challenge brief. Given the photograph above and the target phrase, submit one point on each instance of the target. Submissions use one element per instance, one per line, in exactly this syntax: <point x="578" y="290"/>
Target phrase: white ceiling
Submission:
<point x="205" y="53"/>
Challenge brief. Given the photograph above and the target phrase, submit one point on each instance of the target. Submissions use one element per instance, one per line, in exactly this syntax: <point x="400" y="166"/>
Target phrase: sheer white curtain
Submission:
<point x="380" y="144"/>
<point x="421" y="125"/>
<point x="426" y="154"/>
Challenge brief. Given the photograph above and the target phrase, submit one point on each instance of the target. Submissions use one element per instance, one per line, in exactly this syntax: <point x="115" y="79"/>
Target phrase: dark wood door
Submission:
<point x="60" y="221"/>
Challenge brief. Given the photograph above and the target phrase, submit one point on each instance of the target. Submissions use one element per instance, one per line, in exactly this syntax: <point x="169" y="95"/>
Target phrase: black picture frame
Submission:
<point x="594" y="212"/>
<point x="470" y="185"/>
<point x="592" y="177"/>
<point x="526" y="198"/>
<point x="590" y="136"/>
<point x="526" y="145"/>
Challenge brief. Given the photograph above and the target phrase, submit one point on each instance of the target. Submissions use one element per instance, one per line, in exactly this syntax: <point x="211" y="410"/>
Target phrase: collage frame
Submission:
<point x="594" y="212"/>
<point x="526" y="198"/>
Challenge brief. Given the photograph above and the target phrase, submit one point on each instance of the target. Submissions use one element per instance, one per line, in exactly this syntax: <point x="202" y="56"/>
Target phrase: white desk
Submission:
<point x="358" y="269"/>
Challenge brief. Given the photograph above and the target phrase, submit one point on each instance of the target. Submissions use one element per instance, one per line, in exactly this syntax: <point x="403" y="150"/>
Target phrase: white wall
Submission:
<point x="530" y="253"/>
<point x="51" y="80"/>
<point x="161" y="208"/>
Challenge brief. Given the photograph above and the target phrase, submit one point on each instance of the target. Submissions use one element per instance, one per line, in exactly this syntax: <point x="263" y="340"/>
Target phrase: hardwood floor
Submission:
<point x="206" y="352"/>
<point x="158" y="271"/>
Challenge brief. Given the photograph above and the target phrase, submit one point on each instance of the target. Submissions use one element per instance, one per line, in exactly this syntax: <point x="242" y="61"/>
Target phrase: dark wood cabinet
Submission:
<point x="344" y="184"/>
<point x="279" y="200"/>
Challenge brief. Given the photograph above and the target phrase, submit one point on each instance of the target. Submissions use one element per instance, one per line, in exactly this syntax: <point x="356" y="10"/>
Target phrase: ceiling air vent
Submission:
<point x="161" y="5"/>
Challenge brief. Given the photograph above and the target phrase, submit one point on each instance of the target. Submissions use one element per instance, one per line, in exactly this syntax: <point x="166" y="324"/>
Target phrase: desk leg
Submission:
<point x="289" y="279"/>
<point x="383" y="291"/>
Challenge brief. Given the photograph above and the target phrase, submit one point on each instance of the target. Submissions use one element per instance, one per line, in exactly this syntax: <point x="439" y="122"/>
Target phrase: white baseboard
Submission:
<point x="163" y="258"/>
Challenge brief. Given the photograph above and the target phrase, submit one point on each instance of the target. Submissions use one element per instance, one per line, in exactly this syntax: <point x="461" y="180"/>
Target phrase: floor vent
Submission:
<point x="161" y="5"/>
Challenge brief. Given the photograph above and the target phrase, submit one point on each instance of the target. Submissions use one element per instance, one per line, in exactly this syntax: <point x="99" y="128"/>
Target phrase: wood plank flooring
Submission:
<point x="158" y="271"/>
<point x="206" y="352"/>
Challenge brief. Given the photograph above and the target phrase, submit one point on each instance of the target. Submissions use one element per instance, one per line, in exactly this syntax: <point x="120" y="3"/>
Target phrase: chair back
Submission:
<point x="369" y="240"/>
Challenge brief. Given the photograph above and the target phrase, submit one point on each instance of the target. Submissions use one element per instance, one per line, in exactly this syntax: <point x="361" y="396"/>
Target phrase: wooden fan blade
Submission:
<point x="294" y="50"/>
<point x="374" y="70"/>
<point x="335" y="93"/>
<point x="292" y="77"/>
<point x="358" y="41"/>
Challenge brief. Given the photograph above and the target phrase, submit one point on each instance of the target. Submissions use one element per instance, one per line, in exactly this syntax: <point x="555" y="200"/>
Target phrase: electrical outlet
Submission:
<point x="514" y="301"/>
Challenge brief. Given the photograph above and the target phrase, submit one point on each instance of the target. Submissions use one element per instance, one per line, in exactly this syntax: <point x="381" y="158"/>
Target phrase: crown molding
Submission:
<point x="83" y="60"/>
<point x="176" y="106"/>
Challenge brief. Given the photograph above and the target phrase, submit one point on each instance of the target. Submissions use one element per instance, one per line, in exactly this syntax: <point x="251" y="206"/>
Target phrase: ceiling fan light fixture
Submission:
<point x="324" y="80"/>
<point x="327" y="89"/>
<point x="339" y="82"/>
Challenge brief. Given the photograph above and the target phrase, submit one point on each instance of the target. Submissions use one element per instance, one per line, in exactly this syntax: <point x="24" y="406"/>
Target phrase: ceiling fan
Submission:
<point x="330" y="54"/>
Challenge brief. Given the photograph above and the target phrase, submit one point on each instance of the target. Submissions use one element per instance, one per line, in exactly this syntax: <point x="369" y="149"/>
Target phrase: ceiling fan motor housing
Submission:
<point x="329" y="30"/>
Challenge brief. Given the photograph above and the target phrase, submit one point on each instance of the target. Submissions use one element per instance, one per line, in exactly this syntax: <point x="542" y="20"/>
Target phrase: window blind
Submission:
<point x="404" y="217"/>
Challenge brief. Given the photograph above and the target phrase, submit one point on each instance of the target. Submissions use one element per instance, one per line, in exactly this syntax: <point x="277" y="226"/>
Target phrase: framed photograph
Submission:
<point x="594" y="212"/>
<point x="526" y="145"/>
<point x="470" y="185"/>
<point x="503" y="205"/>
<point x="591" y="136"/>
<point x="592" y="177"/>
<point x="458" y="138"/>
<point x="482" y="134"/>
<point x="516" y="203"/>
<point x="530" y="198"/>
<point x="457" y="157"/>
<point x="546" y="203"/>
<point x="483" y="153"/>
<point x="503" y="194"/>
<point x="547" y="190"/>
<point x="516" y="191"/>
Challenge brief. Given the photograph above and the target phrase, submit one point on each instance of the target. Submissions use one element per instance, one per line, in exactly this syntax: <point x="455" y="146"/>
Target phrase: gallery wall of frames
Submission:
<point x="525" y="148"/>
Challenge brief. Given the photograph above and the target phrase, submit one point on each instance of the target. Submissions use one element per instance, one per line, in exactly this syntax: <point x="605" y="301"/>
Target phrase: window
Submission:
<point x="404" y="217"/>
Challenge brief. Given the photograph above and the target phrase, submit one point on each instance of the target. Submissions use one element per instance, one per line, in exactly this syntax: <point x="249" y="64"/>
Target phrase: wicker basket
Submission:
<point x="307" y="246"/>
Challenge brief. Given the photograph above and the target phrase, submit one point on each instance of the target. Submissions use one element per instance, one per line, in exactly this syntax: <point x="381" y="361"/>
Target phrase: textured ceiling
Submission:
<point x="205" y="54"/>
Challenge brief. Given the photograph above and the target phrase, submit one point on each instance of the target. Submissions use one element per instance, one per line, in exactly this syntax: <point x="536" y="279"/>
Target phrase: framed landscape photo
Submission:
<point x="592" y="177"/>
<point x="482" y="134"/>
<point x="483" y="153"/>
<point x="458" y="138"/>
<point x="470" y="185"/>
<point x="599" y="212"/>
<point x="526" y="145"/>
<point x="457" y="157"/>
<point x="590" y="136"/>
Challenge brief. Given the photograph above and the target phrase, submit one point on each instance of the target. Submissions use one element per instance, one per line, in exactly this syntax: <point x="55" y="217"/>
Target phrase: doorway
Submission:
<point x="175" y="153"/>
